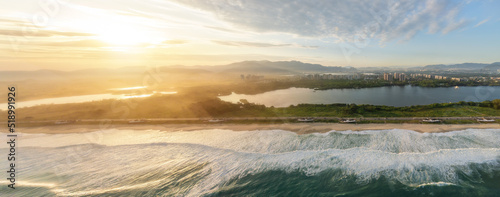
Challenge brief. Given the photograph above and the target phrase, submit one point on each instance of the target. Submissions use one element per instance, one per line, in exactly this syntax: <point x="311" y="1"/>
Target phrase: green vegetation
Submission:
<point x="451" y="83"/>
<point x="320" y="84"/>
<point x="202" y="102"/>
<point x="461" y="109"/>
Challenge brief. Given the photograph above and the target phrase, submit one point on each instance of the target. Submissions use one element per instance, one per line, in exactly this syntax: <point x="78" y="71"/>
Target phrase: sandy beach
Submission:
<point x="300" y="128"/>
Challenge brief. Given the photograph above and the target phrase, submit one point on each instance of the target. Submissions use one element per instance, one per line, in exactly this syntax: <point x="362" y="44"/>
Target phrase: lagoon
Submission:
<point x="397" y="96"/>
<point x="78" y="99"/>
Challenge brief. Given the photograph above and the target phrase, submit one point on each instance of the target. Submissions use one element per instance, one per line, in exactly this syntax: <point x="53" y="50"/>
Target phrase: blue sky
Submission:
<point x="76" y="34"/>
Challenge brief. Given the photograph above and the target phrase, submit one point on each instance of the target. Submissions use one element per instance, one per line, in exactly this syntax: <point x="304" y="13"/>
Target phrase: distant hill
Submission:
<point x="137" y="71"/>
<point x="245" y="67"/>
<point x="464" y="66"/>
<point x="280" y="67"/>
<point x="492" y="67"/>
<point x="36" y="74"/>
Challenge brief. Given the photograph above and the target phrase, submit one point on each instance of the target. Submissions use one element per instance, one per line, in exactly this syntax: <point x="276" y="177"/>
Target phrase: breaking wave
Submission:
<point x="256" y="163"/>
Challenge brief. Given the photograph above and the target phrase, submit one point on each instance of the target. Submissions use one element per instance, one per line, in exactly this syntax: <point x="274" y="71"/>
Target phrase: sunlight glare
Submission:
<point x="123" y="35"/>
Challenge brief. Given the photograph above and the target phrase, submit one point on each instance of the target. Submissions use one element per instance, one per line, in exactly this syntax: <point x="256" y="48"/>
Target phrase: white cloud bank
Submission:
<point x="385" y="20"/>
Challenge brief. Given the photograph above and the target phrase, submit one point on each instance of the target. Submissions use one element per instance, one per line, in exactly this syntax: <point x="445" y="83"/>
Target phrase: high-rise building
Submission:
<point x="402" y="77"/>
<point x="387" y="76"/>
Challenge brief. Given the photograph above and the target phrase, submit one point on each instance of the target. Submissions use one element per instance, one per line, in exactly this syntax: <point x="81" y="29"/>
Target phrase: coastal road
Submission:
<point x="222" y="119"/>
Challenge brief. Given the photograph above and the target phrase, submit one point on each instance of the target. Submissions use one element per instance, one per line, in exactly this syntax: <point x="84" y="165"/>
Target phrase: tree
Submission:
<point x="496" y="104"/>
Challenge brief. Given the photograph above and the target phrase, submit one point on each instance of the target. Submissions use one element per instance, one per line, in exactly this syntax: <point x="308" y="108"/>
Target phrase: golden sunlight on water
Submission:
<point x="129" y="88"/>
<point x="91" y="97"/>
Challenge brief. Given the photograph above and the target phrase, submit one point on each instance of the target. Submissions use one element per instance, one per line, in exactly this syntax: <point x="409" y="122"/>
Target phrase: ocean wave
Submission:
<point x="202" y="162"/>
<point x="279" y="141"/>
<point x="439" y="184"/>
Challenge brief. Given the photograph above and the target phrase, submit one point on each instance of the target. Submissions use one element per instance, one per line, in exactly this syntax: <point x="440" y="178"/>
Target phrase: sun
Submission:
<point x="120" y="35"/>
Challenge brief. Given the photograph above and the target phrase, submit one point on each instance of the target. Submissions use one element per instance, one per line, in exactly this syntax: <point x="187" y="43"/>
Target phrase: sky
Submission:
<point x="81" y="34"/>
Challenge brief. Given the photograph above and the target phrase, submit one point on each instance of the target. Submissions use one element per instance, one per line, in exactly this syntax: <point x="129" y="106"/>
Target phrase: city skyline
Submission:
<point x="74" y="35"/>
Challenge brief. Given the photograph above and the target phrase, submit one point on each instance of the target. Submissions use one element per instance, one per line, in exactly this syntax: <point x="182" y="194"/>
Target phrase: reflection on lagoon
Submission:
<point x="129" y="88"/>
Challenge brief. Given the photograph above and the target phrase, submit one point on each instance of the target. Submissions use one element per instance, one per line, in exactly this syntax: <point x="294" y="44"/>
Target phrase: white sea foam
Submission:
<point x="279" y="141"/>
<point x="63" y="192"/>
<point x="114" y="156"/>
<point x="29" y="184"/>
<point x="440" y="184"/>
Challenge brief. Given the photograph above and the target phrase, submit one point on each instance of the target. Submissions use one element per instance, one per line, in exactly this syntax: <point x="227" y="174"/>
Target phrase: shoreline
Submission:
<point x="299" y="128"/>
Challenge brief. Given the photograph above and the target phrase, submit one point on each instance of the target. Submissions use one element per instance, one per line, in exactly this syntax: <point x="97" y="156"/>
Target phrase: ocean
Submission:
<point x="122" y="162"/>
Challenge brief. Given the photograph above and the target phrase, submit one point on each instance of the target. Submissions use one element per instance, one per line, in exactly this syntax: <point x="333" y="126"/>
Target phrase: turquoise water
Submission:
<point x="397" y="96"/>
<point x="259" y="163"/>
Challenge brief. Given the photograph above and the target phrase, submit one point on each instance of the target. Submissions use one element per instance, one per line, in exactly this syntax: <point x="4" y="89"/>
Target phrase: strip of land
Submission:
<point x="299" y="128"/>
<point x="250" y="119"/>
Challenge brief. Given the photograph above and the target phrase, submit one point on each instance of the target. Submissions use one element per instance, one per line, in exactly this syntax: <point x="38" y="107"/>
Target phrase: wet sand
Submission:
<point x="300" y="128"/>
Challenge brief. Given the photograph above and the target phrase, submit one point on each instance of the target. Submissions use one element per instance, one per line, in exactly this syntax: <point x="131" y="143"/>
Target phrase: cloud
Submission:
<point x="11" y="21"/>
<point x="385" y="20"/>
<point x="175" y="42"/>
<point x="250" y="44"/>
<point x="40" y="33"/>
<point x="133" y="13"/>
<point x="221" y="29"/>
<point x="482" y="22"/>
<point x="77" y="43"/>
<point x="47" y="46"/>
<point x="16" y="27"/>
<point x="259" y="44"/>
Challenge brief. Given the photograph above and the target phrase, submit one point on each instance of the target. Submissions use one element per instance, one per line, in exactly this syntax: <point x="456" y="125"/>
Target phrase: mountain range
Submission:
<point x="279" y="67"/>
<point x="245" y="67"/>
<point x="465" y="66"/>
